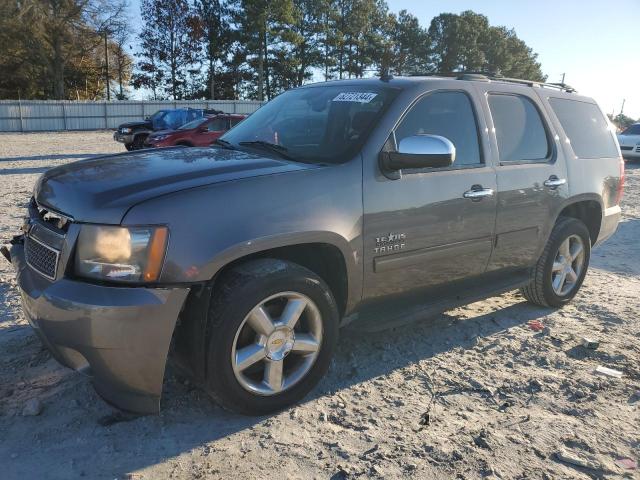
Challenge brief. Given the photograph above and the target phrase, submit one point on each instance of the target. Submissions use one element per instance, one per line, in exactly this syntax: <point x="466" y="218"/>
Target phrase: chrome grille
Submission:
<point x="42" y="258"/>
<point x="638" y="149"/>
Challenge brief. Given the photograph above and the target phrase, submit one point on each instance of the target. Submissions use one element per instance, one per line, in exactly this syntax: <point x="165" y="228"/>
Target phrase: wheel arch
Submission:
<point x="586" y="208"/>
<point x="325" y="255"/>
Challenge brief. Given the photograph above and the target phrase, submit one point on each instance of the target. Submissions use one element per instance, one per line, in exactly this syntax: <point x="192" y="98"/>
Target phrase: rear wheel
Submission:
<point x="561" y="269"/>
<point x="273" y="329"/>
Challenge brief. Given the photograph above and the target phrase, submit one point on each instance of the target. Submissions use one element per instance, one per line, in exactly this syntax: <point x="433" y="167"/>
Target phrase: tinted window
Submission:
<point x="218" y="124"/>
<point x="520" y="132"/>
<point x="235" y="121"/>
<point x="450" y="115"/>
<point x="632" y="130"/>
<point x="586" y="128"/>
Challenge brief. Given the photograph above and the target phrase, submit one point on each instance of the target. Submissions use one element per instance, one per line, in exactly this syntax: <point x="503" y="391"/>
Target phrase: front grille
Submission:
<point x="638" y="149"/>
<point x="41" y="258"/>
<point x="623" y="147"/>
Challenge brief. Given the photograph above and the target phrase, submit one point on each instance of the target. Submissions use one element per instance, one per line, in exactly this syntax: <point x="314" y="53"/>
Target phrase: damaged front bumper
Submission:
<point x="119" y="336"/>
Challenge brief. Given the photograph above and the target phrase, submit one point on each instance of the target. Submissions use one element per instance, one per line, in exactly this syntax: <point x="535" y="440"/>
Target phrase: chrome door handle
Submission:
<point x="555" y="182"/>
<point x="478" y="193"/>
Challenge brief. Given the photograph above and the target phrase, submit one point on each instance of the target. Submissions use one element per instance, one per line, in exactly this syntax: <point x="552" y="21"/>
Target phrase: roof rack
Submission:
<point x="496" y="77"/>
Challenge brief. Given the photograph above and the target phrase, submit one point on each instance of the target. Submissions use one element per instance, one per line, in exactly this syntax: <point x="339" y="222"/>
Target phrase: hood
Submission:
<point x="101" y="190"/>
<point x="157" y="133"/>
<point x="146" y="124"/>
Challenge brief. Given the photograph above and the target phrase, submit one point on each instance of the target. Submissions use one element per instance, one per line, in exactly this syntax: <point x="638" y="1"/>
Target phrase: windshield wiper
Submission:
<point x="223" y="144"/>
<point x="279" y="149"/>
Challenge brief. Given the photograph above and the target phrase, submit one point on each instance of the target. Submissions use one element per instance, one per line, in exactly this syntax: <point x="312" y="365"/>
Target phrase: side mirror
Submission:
<point x="420" y="151"/>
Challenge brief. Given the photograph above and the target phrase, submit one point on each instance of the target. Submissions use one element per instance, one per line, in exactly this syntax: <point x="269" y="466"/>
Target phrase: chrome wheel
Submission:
<point x="277" y="343"/>
<point x="567" y="265"/>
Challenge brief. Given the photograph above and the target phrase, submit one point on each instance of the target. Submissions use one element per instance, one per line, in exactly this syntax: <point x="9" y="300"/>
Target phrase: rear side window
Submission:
<point x="450" y="115"/>
<point x="217" y="125"/>
<point x="586" y="127"/>
<point x="519" y="128"/>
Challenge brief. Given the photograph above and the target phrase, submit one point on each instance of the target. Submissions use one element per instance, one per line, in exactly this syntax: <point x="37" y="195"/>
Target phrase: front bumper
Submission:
<point x="119" y="336"/>
<point x="123" y="138"/>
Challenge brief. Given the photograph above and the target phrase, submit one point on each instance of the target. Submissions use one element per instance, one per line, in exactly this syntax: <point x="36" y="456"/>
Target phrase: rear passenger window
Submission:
<point x="520" y="132"/>
<point x="586" y="128"/>
<point x="450" y="115"/>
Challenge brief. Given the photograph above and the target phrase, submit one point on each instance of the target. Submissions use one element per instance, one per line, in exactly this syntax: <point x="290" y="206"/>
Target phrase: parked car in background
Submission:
<point x="134" y="134"/>
<point x="200" y="132"/>
<point x="629" y="141"/>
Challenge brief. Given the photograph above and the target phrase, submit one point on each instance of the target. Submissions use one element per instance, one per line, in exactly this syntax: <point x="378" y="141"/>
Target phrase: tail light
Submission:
<point x="620" y="190"/>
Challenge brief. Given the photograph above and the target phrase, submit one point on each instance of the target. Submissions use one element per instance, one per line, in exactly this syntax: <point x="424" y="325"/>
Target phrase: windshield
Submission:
<point x="167" y="119"/>
<point x="632" y="130"/>
<point x="193" y="124"/>
<point x="325" y="124"/>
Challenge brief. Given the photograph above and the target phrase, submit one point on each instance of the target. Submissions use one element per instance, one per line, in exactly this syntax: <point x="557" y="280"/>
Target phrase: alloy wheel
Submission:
<point x="567" y="265"/>
<point x="277" y="343"/>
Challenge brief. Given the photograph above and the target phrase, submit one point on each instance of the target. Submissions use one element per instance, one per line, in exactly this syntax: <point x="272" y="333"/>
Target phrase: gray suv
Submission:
<point x="372" y="202"/>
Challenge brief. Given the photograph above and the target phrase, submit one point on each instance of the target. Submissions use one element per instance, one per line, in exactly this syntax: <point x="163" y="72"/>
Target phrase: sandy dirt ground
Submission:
<point x="474" y="393"/>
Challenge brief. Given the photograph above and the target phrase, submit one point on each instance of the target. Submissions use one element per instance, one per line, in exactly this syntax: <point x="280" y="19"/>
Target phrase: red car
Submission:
<point x="200" y="132"/>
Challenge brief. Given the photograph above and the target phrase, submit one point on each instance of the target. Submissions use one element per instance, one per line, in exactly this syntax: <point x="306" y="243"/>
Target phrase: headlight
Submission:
<point x="126" y="130"/>
<point x="125" y="254"/>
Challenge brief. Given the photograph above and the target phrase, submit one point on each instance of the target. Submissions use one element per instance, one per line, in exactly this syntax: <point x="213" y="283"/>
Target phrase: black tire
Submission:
<point x="540" y="291"/>
<point x="138" y="142"/>
<point x="128" y="146"/>
<point x="234" y="296"/>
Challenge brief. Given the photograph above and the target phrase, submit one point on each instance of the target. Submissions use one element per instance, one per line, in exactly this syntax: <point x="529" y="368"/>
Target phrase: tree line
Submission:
<point x="60" y="49"/>
<point x="231" y="49"/>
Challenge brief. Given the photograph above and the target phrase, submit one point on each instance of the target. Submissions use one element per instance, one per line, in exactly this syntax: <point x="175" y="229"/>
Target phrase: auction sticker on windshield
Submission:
<point x="359" y="97"/>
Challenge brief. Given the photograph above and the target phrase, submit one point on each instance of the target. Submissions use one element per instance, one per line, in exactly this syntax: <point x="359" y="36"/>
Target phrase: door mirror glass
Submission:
<point x="421" y="151"/>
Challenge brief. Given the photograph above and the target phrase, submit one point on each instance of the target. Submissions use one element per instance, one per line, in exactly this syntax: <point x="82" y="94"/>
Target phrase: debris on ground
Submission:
<point x="32" y="408"/>
<point x="627" y="463"/>
<point x="536" y="325"/>
<point x="590" y="343"/>
<point x="609" y="372"/>
<point x="579" y="460"/>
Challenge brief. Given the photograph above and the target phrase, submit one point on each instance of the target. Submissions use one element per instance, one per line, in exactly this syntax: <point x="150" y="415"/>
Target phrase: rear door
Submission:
<point x="420" y="230"/>
<point x="531" y="173"/>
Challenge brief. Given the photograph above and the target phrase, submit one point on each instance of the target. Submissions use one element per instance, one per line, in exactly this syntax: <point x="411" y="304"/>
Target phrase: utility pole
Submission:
<point x="622" y="107"/>
<point x="563" y="78"/>
<point x="106" y="65"/>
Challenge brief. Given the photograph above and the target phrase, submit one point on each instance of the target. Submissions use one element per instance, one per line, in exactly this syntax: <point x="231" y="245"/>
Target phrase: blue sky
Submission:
<point x="594" y="43"/>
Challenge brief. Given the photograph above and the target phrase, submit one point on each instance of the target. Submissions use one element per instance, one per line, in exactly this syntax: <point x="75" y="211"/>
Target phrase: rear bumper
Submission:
<point x="610" y="220"/>
<point x="119" y="336"/>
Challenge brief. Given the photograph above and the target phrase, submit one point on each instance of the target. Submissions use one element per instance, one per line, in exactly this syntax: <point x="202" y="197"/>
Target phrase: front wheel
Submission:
<point x="561" y="269"/>
<point x="273" y="329"/>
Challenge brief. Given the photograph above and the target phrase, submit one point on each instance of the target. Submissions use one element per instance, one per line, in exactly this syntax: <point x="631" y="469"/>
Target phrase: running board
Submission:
<point x="383" y="315"/>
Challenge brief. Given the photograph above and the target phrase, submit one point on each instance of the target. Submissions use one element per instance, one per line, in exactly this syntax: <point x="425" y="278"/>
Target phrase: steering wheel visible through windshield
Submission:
<point x="319" y="124"/>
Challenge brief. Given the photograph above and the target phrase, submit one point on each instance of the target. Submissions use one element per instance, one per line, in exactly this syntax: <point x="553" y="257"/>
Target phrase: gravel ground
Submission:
<point x="474" y="393"/>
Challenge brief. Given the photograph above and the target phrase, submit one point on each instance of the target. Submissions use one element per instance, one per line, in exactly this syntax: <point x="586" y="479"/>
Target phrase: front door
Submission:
<point x="427" y="227"/>
<point x="531" y="174"/>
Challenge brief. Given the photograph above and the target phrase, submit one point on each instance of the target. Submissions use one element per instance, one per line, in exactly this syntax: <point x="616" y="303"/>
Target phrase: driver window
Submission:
<point x="217" y="125"/>
<point x="450" y="115"/>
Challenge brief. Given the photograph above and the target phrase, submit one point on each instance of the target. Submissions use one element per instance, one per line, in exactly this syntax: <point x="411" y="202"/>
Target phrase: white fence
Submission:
<point x="54" y="115"/>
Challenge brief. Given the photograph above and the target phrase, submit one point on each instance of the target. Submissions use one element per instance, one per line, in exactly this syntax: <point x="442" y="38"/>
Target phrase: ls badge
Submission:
<point x="393" y="242"/>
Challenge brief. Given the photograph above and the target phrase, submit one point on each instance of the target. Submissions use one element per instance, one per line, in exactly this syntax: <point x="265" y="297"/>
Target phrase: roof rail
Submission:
<point x="496" y="77"/>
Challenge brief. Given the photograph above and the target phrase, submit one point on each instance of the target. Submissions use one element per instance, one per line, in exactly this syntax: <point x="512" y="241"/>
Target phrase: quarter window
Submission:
<point x="585" y="126"/>
<point x="450" y="115"/>
<point x="520" y="132"/>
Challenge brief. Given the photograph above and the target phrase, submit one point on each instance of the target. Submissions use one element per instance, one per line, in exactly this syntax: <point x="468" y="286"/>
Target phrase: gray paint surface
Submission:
<point x="221" y="206"/>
